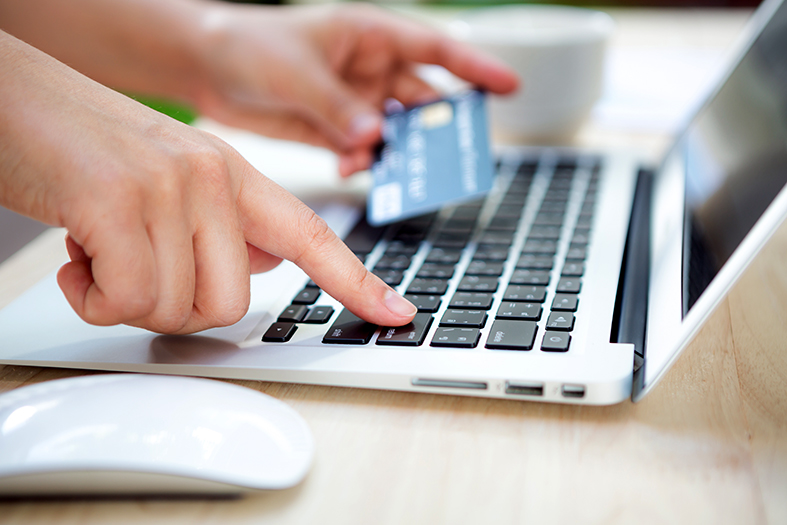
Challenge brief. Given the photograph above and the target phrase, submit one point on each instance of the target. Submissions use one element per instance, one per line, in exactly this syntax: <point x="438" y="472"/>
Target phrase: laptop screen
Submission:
<point x="736" y="158"/>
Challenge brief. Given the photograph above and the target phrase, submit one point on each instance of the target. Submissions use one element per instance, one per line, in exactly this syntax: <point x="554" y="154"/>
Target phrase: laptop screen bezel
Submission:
<point x="668" y="330"/>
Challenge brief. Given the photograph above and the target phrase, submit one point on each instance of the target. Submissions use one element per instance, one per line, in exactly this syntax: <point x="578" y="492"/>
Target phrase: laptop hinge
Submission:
<point x="631" y="306"/>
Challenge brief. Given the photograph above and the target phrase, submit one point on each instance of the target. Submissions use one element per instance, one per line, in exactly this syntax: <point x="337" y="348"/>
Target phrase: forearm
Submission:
<point x="143" y="46"/>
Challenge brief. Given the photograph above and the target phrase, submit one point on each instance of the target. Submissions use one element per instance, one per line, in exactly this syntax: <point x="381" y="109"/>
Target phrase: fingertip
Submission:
<point x="74" y="279"/>
<point x="400" y="308"/>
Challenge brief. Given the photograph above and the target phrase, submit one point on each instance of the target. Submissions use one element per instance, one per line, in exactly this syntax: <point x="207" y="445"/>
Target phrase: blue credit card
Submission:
<point x="432" y="155"/>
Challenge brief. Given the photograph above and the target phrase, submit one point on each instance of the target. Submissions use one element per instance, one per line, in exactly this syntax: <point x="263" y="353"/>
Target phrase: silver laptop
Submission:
<point x="578" y="279"/>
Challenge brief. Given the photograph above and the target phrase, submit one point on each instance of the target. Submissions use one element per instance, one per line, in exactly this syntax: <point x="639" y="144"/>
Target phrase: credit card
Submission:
<point x="432" y="155"/>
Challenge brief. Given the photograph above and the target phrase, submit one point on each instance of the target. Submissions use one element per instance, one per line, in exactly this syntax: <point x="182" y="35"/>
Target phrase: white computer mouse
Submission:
<point x="134" y="434"/>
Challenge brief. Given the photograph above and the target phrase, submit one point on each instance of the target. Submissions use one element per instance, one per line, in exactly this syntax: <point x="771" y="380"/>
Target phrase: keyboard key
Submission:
<point x="428" y="286"/>
<point x="535" y="262"/>
<point x="424" y="303"/>
<point x="520" y="311"/>
<point x="525" y="293"/>
<point x="412" y="334"/>
<point x="435" y="271"/>
<point x="545" y="232"/>
<point x="487" y="268"/>
<point x="523" y="276"/>
<point x="540" y="247"/>
<point x="580" y="237"/>
<point x="476" y="283"/>
<point x="293" y="313"/>
<point x="456" y="337"/>
<point x="393" y="262"/>
<point x="509" y="211"/>
<point x="349" y="329"/>
<point x="400" y="248"/>
<point x="363" y="237"/>
<point x="555" y="342"/>
<point x="576" y="253"/>
<point x="497" y="238"/>
<point x="565" y="302"/>
<point x="562" y="321"/>
<point x="444" y="256"/>
<point x="458" y="225"/>
<point x="472" y="301"/>
<point x="503" y="224"/>
<point x="569" y="285"/>
<point x="491" y="252"/>
<point x="308" y="295"/>
<point x="466" y="318"/>
<point x="548" y="219"/>
<point x="511" y="335"/>
<point x="279" y="333"/>
<point x="390" y="277"/>
<point x="573" y="269"/>
<point x="452" y="239"/>
<point x="319" y="315"/>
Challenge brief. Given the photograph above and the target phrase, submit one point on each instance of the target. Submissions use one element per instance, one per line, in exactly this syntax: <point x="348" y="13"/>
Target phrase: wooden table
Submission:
<point x="708" y="445"/>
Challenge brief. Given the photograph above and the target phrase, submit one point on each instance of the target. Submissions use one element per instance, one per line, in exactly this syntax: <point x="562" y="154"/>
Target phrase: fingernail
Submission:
<point x="364" y="124"/>
<point x="398" y="305"/>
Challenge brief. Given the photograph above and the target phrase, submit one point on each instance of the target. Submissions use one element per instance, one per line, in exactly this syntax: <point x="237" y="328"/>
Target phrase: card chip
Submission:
<point x="437" y="115"/>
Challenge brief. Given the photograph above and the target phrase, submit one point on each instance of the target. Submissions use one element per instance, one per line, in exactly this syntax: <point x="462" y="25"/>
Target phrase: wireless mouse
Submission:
<point x="134" y="434"/>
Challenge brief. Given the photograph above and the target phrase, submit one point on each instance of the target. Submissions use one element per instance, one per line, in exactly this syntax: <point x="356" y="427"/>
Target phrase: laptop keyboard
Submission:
<point x="514" y="260"/>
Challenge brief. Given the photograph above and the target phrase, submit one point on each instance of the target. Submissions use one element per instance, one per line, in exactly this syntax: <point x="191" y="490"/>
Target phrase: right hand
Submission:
<point x="165" y="222"/>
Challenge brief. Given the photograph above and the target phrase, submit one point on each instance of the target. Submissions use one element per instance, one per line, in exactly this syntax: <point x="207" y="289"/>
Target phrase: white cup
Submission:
<point x="559" y="54"/>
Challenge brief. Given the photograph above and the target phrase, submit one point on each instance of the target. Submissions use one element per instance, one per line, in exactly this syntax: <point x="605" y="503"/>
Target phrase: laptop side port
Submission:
<point x="575" y="391"/>
<point x="525" y="389"/>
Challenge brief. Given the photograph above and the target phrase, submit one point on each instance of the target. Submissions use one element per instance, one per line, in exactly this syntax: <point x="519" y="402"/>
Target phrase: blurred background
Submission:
<point x="582" y="3"/>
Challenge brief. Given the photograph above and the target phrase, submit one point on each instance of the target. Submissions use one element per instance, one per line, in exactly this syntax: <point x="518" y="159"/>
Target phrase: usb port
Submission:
<point x="525" y="389"/>
<point x="573" y="391"/>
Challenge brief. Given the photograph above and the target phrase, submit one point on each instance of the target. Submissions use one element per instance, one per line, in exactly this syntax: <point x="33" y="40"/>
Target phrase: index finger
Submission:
<point x="280" y="224"/>
<point x="422" y="44"/>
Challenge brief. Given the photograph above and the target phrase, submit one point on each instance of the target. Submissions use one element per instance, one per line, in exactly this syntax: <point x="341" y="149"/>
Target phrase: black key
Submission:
<point x="553" y="207"/>
<point x="565" y="302"/>
<point x="319" y="315"/>
<point x="456" y="337"/>
<point x="393" y="262"/>
<point x="569" y="285"/>
<point x="514" y="199"/>
<point x="412" y="334"/>
<point x="450" y="239"/>
<point x="311" y="284"/>
<point x="523" y="276"/>
<point x="562" y="321"/>
<point x="497" y="238"/>
<point x="555" y="342"/>
<point x="509" y="211"/>
<point x="472" y="301"/>
<point x="308" y="295"/>
<point x="400" y="248"/>
<point x="576" y="253"/>
<point x="475" y="283"/>
<point x="525" y="293"/>
<point x="539" y="247"/>
<point x="585" y="221"/>
<point x="363" y="237"/>
<point x="549" y="219"/>
<point x="545" y="232"/>
<point x="503" y="224"/>
<point x="279" y="333"/>
<point x="467" y="318"/>
<point x="580" y="238"/>
<point x="293" y="313"/>
<point x="511" y="335"/>
<point x="444" y="256"/>
<point x="390" y="277"/>
<point x="424" y="303"/>
<point x="556" y="194"/>
<point x="535" y="262"/>
<point x="428" y="286"/>
<point x="520" y="311"/>
<point x="466" y="212"/>
<point x="458" y="225"/>
<point x="349" y="329"/>
<point x="488" y="268"/>
<point x="573" y="269"/>
<point x="436" y="271"/>
<point x="491" y="252"/>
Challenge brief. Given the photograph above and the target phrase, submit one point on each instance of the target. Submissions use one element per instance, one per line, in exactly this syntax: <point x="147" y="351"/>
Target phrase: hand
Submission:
<point x="165" y="222"/>
<point x="321" y="75"/>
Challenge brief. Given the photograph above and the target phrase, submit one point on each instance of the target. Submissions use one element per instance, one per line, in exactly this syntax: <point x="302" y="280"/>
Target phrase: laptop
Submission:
<point x="578" y="279"/>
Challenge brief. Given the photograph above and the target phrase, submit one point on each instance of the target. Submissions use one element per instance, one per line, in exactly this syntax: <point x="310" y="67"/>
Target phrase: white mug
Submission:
<point x="558" y="52"/>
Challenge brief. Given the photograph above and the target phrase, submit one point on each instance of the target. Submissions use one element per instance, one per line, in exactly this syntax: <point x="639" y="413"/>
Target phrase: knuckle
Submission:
<point x="316" y="232"/>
